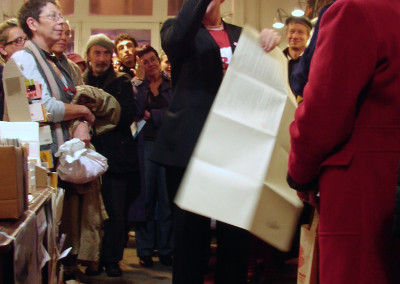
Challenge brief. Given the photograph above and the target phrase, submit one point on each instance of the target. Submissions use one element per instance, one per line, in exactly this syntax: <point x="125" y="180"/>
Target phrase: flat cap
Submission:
<point x="300" y="20"/>
<point x="101" y="40"/>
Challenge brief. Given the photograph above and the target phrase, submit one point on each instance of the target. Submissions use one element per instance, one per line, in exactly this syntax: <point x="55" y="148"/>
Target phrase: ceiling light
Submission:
<point x="278" y="20"/>
<point x="298" y="10"/>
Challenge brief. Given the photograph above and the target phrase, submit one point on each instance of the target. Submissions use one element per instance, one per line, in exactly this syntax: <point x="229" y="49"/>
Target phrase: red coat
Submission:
<point x="346" y="135"/>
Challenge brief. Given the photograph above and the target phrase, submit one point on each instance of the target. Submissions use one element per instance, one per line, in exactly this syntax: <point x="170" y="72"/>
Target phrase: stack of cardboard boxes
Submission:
<point x="20" y="166"/>
<point x="30" y="202"/>
<point x="13" y="197"/>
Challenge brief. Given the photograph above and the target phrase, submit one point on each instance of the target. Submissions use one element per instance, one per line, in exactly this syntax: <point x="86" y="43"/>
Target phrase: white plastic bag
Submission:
<point x="77" y="164"/>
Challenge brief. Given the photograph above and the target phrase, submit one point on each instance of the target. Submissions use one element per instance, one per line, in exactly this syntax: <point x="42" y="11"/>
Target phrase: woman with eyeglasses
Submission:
<point x="42" y="22"/>
<point x="12" y="39"/>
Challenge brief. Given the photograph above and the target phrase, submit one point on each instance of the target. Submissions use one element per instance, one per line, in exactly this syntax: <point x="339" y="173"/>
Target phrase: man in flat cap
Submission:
<point x="297" y="34"/>
<point x="120" y="182"/>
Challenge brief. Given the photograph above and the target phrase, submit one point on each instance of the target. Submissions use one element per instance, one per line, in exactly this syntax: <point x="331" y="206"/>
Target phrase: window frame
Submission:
<point x="82" y="23"/>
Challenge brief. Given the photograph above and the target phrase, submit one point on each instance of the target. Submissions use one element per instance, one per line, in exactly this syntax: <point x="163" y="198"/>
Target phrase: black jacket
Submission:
<point x="117" y="145"/>
<point x="196" y="76"/>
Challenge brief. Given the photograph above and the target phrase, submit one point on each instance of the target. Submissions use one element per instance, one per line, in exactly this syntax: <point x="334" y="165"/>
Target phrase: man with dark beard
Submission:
<point x="120" y="182"/>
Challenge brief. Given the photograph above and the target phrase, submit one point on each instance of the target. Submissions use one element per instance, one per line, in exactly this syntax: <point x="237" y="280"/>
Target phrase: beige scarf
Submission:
<point x="52" y="84"/>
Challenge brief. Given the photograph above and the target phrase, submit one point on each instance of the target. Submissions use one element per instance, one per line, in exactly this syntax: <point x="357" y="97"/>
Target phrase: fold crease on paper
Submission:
<point x="237" y="173"/>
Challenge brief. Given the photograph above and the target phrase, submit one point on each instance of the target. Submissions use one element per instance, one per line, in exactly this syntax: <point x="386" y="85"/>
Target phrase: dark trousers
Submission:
<point x="192" y="235"/>
<point x="156" y="233"/>
<point x="118" y="192"/>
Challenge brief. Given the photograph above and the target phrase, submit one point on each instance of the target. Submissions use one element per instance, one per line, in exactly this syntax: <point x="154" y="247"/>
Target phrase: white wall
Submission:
<point x="9" y="8"/>
<point x="261" y="13"/>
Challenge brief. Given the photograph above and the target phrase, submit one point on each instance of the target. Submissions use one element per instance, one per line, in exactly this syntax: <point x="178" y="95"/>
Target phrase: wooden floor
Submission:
<point x="133" y="273"/>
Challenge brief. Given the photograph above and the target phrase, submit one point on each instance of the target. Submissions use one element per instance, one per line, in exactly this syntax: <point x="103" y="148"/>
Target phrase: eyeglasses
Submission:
<point x="17" y="41"/>
<point x="54" y="17"/>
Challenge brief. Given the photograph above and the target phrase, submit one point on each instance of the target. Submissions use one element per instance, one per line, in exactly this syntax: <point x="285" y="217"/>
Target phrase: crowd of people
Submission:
<point x="344" y="155"/>
<point x="98" y="237"/>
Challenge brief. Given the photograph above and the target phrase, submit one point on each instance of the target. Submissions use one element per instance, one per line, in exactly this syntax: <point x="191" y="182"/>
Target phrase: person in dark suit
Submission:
<point x="199" y="46"/>
<point x="198" y="66"/>
<point x="299" y="75"/>
<point x="298" y="31"/>
<point x="345" y="141"/>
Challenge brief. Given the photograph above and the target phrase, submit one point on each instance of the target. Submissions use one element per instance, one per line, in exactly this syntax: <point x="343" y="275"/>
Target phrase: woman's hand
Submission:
<point x="82" y="132"/>
<point x="269" y="38"/>
<point x="78" y="111"/>
<point x="139" y="69"/>
<point x="147" y="115"/>
<point x="88" y="115"/>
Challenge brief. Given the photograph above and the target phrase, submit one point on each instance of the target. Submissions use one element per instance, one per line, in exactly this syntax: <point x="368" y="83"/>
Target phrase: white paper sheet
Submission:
<point x="237" y="173"/>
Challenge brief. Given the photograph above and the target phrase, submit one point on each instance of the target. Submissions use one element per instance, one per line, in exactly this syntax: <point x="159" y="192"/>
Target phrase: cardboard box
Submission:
<point x="53" y="179"/>
<point x="41" y="176"/>
<point x="31" y="176"/>
<point x="15" y="95"/>
<point x="13" y="198"/>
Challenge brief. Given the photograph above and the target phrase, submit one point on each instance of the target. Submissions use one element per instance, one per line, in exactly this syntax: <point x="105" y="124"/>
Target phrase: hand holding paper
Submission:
<point x="237" y="173"/>
<point x="269" y="39"/>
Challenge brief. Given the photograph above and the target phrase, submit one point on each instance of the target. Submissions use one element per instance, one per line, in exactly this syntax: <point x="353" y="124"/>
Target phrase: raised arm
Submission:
<point x="178" y="33"/>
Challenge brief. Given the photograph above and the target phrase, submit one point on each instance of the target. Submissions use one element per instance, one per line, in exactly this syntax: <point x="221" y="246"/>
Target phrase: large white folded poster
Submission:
<point x="237" y="173"/>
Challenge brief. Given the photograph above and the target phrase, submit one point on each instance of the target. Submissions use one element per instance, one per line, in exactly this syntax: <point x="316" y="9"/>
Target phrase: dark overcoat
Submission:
<point x="196" y="76"/>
